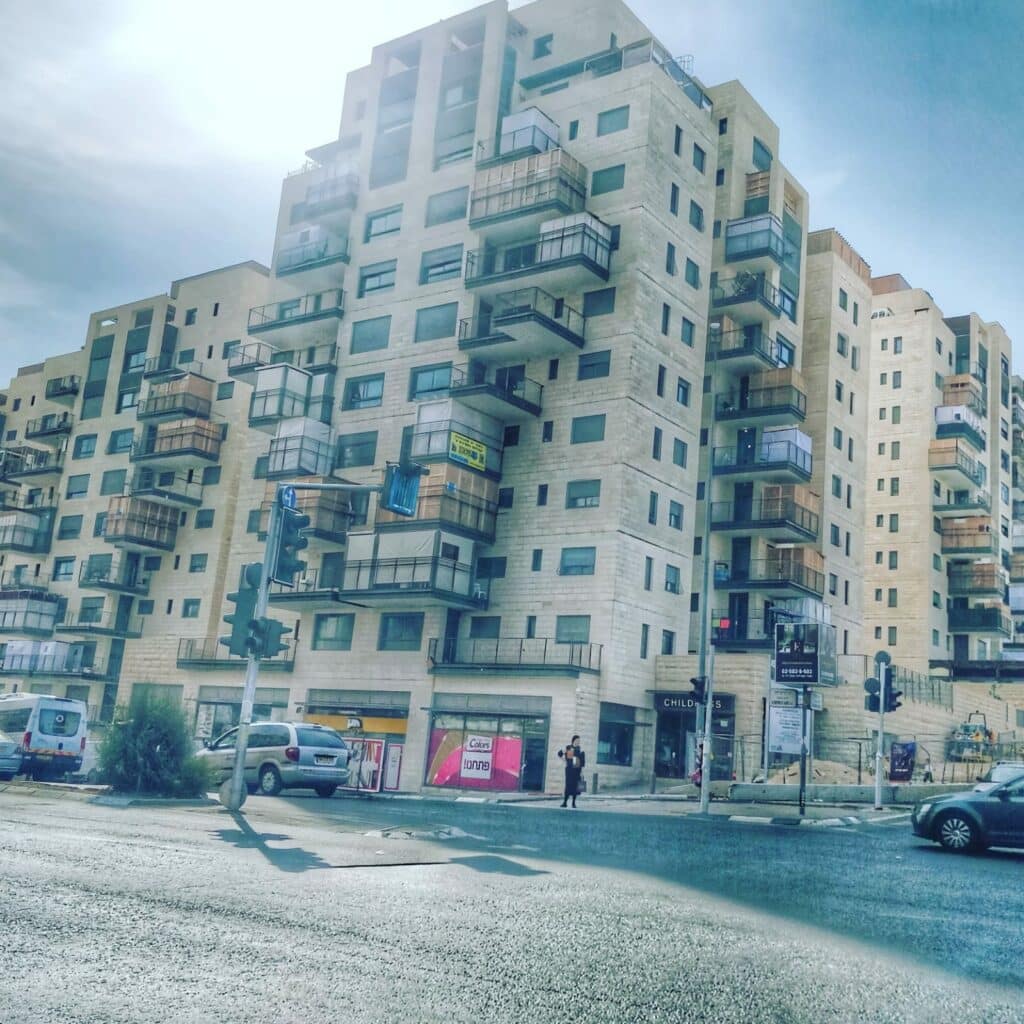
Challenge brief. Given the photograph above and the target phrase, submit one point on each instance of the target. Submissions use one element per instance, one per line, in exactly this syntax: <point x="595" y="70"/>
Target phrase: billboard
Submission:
<point x="805" y="654"/>
<point x="467" y="451"/>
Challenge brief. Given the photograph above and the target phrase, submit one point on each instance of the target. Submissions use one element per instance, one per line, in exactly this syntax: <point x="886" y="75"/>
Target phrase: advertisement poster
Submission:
<point x="467" y="451"/>
<point x="393" y="766"/>
<point x="901" y="761"/>
<point x="785" y="729"/>
<point x="805" y="653"/>
<point x="474" y="761"/>
<point x="365" y="765"/>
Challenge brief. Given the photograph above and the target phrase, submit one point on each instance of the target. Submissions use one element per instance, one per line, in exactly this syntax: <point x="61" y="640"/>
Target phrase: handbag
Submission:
<point x="581" y="786"/>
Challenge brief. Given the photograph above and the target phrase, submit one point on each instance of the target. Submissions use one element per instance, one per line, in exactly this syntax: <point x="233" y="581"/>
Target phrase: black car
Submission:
<point x="973" y="821"/>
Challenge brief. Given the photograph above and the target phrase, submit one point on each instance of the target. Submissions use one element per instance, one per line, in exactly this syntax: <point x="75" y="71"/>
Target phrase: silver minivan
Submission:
<point x="284" y="755"/>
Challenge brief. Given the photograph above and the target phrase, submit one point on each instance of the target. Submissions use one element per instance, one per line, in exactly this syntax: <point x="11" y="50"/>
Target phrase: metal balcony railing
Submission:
<point x="507" y="653"/>
<point x="784" y="398"/>
<point x="519" y="391"/>
<point x="548" y="250"/>
<point x="184" y="403"/>
<point x="774" y="454"/>
<point x="51" y="423"/>
<point x="768" y="571"/>
<point x="765" y="512"/>
<point x="60" y="387"/>
<point x="310" y="254"/>
<point x="209" y="652"/>
<point x="307" y="307"/>
<point x="743" y="341"/>
<point x="747" y="288"/>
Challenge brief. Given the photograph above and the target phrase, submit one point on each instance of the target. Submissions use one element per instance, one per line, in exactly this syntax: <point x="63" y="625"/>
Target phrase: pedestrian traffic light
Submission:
<point x="265" y="637"/>
<point x="244" y="600"/>
<point x="872" y="702"/>
<point x="290" y="541"/>
<point x="401" y="488"/>
<point x="700" y="688"/>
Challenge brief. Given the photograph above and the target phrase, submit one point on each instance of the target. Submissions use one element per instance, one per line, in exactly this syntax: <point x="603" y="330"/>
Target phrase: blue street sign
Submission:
<point x="286" y="497"/>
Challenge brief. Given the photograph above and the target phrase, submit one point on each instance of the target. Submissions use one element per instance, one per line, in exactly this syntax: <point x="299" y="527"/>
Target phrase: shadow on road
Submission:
<point x="491" y="864"/>
<point x="293" y="860"/>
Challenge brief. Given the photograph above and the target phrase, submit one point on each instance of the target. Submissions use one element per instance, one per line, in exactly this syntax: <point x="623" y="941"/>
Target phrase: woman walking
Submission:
<point x="575" y="761"/>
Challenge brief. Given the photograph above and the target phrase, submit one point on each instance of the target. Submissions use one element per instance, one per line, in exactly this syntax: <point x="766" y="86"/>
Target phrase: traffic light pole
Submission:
<point x="885" y="678"/>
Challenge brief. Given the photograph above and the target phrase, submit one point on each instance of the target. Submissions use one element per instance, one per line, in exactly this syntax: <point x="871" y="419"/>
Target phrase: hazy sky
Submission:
<point x="142" y="141"/>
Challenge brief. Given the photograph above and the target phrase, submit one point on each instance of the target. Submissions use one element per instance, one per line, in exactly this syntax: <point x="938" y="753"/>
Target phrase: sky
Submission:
<point x="142" y="141"/>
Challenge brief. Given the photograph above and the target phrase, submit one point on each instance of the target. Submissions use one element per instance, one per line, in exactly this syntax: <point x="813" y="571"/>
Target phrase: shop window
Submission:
<point x="615" y="734"/>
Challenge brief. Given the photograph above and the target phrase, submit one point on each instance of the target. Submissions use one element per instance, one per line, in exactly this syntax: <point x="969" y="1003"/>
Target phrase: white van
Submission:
<point x="51" y="730"/>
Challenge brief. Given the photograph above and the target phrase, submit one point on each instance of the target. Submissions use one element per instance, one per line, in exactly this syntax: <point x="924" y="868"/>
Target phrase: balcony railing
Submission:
<point x="521" y="392"/>
<point x="136" y="522"/>
<point x="209" y="652"/>
<point x="965" y="503"/>
<point x="23" y="538"/>
<point x="201" y="442"/>
<point x="23" y="460"/>
<point x="299" y="455"/>
<point x="316" y="306"/>
<point x="334" y="194"/>
<point x="63" y="387"/>
<point x="116" y="575"/>
<point x="976" y="540"/>
<point x="746" y="633"/>
<point x="749" y="341"/>
<point x="560" y="184"/>
<point x="454" y="511"/>
<point x="83" y="665"/>
<point x="773" y="455"/>
<point x="524" y="305"/>
<point x="976" y="579"/>
<point x="747" y="288"/>
<point x="767" y="572"/>
<point x="461" y="444"/>
<point x="103" y="623"/>
<point x="167" y="364"/>
<point x="312" y="254"/>
<point x="579" y="243"/>
<point x="518" y="142"/>
<point x="182" y="403"/>
<point x="753" y="237"/>
<point x="165" y="486"/>
<point x="51" y="423"/>
<point x="949" y="458"/>
<point x="765" y="513"/>
<point x="532" y="654"/>
<point x="438" y="576"/>
<point x="980" y="620"/>
<point x="784" y="399"/>
<point x="250" y="356"/>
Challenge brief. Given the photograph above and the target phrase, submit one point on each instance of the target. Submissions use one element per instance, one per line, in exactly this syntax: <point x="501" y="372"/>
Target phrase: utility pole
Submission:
<point x="884" y="671"/>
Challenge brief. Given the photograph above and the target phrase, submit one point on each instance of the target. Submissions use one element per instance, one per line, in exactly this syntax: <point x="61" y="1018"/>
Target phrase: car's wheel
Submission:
<point x="325" y="789"/>
<point x="956" y="832"/>
<point x="270" y="780"/>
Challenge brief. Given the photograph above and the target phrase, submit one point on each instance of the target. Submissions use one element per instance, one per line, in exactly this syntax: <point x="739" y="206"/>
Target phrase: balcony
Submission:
<point x="139" y="525"/>
<point x="967" y="540"/>
<point x="209" y="652"/>
<point x="757" y="241"/>
<point x="963" y="503"/>
<point x="390" y="583"/>
<point x="167" y="366"/>
<point x="992" y="621"/>
<point x="317" y="359"/>
<point x="330" y="513"/>
<point x="128" y="627"/>
<point x="250" y="356"/>
<point x="455" y="442"/>
<point x="1017" y="568"/>
<point x="744" y="350"/>
<point x="180" y="445"/>
<point x="530" y="656"/>
<point x="29" y="608"/>
<point x="453" y="510"/>
<point x="185" y="397"/>
<point x="775" y="576"/>
<point x="778" y="519"/>
<point x="328" y="202"/>
<point x="526" y="133"/>
<point x="73" y="661"/>
<point x="776" y="461"/>
<point x="324" y="252"/>
<point x="963" y="389"/>
<point x="30" y="538"/>
<point x="52" y="428"/>
<point x="119" y="576"/>
<point x="977" y="580"/>
<point x="736" y="634"/>
<point x="21" y="462"/>
<point x="299" y="455"/>
<point x="772" y="404"/>
<point x="960" y="421"/>
<point x="747" y="297"/>
<point x="166" y="487"/>
<point x="284" y="393"/>
<point x="563" y="259"/>
<point x="63" y="389"/>
<point x="521" y="326"/>
<point x="953" y="465"/>
<point x="506" y="397"/>
<point x="521" y="194"/>
<point x="305" y="319"/>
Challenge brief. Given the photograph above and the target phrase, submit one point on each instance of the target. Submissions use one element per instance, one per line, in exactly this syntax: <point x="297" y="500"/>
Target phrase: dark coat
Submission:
<point x="574" y="766"/>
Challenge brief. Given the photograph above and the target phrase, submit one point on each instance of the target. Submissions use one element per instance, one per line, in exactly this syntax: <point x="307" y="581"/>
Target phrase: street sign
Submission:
<point x="287" y="497"/>
<point x="817" y="701"/>
<point x="783" y="697"/>
<point x="786" y="730"/>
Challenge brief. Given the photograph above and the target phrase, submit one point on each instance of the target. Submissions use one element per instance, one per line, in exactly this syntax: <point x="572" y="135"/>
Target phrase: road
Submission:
<point x="418" y="911"/>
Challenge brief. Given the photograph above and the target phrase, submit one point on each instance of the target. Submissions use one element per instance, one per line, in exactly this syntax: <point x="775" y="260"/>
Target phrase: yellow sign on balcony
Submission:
<point x="467" y="451"/>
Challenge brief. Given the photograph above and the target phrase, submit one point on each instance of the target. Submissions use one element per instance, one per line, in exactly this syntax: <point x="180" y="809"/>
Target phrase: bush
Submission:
<point x="148" y="749"/>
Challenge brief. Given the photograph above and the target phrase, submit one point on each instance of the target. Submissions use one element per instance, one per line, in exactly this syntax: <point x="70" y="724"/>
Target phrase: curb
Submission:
<point x="790" y="822"/>
<point x="110" y="800"/>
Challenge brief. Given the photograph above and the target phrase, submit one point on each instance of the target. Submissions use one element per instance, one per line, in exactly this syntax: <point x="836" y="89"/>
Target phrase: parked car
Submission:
<point x="10" y="756"/>
<point x="284" y="755"/>
<point x="51" y="731"/>
<point x="1001" y="771"/>
<point x="972" y="821"/>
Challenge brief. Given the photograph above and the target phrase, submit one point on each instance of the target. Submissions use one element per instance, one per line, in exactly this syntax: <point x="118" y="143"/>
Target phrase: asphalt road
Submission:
<point x="309" y="910"/>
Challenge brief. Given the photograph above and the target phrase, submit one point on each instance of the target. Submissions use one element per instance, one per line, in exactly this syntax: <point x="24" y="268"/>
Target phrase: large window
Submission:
<point x="430" y="381"/>
<point x="333" y="632"/>
<point x="441" y="264"/>
<point x="364" y="392"/>
<point x="599" y="303"/>
<point x="400" y="631"/>
<point x="583" y="494"/>
<point x="594" y="364"/>
<point x="120" y="441"/>
<point x="85" y="446"/>
<point x="608" y="179"/>
<point x="377" y="277"/>
<point x="369" y="335"/>
<point x="383" y="222"/>
<point x="434" y="322"/>
<point x="356" y="450"/>
<point x="617" y="726"/>
<point x="609" y="121"/>
<point x="446" y="206"/>
<point x="577" y="562"/>
<point x="587" y="428"/>
<point x="63" y="569"/>
<point x="78" y="486"/>
<point x="70" y="527"/>
<point x="112" y="481"/>
<point x="572" y="629"/>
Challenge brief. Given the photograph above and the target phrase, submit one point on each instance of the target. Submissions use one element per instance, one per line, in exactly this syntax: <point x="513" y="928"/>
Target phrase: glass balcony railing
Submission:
<point x="782" y="400"/>
<point x="514" y="143"/>
<point x="753" y="237"/>
<point x="576" y="244"/>
<point x="312" y="254"/>
<point x="768" y="572"/>
<point x="518" y="391"/>
<point x="63" y="387"/>
<point x="771" y="455"/>
<point x="764" y="514"/>
<point x="507" y="654"/>
<point x="316" y="306"/>
<point x="980" y="620"/>
<point x="449" y="510"/>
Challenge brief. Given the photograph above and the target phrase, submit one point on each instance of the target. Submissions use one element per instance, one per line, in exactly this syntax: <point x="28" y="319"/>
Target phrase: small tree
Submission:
<point x="148" y="749"/>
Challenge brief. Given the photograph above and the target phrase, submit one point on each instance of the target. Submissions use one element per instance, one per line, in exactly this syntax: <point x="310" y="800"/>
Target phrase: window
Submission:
<point x="837" y="438"/>
<point x="190" y="317"/>
<point x="400" y="631"/>
<point x="583" y="494"/>
<point x="670" y="261"/>
<point x="672" y="579"/>
<point x="673" y="200"/>
<point x="648" y="572"/>
<point x="668" y="642"/>
<point x="370" y="335"/>
<point x="383" y="222"/>
<point x="574" y="130"/>
<point x="85" y="446"/>
<point x="696" y="216"/>
<point x="572" y="629"/>
<point x="197" y="563"/>
<point x="491" y="568"/>
<point x="430" y="381"/>
<point x="894" y="485"/>
<point x="599" y="303"/>
<point x="112" y="481"/>
<point x="679" y="452"/>
<point x="699" y="158"/>
<point x="645" y="636"/>
<point x="837" y="486"/>
<point x="608" y="179"/>
<point x="839" y="390"/>
<point x="660" y="386"/>
<point x="843" y="299"/>
<point x="897" y="346"/>
<point x="211" y="476"/>
<point x="594" y="364"/>
<point x="652" y="508"/>
<point x="762" y="156"/>
<point x="70" y="527"/>
<point x="577" y="562"/>
<point x="537" y="560"/>
<point x="547" y="431"/>
<point x="542" y="46"/>
<point x="434" y="322"/>
<point x="364" y="392"/>
<point x="720" y="176"/>
<point x="542" y="494"/>
<point x="894" y="522"/>
<point x="609" y="121"/>
<point x="190" y="608"/>
<point x="892" y="636"/>
<point x="63" y="569"/>
<point x="377" y="277"/>
<point x="897" y="379"/>
<point x="675" y="515"/>
<point x="834" y="534"/>
<point x="842" y="344"/>
<point x="204" y="518"/>
<point x="447" y="206"/>
<point x="833" y="583"/>
<point x="682" y="391"/>
<point x="127" y="399"/>
<point x="506" y="497"/>
<point x="441" y="264"/>
<point x="333" y="632"/>
<point x="692" y="275"/>
<point x="894" y="450"/>
<point x="99" y="524"/>
<point x="510" y="436"/>
<point x="586" y="429"/>
<point x="225" y="389"/>
<point x="687" y="332"/>
<point x="677" y="141"/>
<point x="666" y="313"/>
<point x="78" y="486"/>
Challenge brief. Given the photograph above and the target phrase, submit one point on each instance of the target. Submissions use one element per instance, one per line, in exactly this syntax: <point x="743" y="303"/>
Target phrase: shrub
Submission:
<point x="148" y="749"/>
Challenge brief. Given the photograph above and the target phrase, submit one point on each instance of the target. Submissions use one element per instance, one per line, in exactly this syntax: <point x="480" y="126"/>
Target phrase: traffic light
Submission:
<point x="244" y="600"/>
<point x="401" y="488"/>
<point x="287" y="564"/>
<point x="700" y="688"/>
<point x="872" y="702"/>
<point x="892" y="697"/>
<point x="264" y="639"/>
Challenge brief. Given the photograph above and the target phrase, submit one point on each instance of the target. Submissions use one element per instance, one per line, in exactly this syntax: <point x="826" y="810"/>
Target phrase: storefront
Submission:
<point x="677" y="739"/>
<point x="218" y="708"/>
<point x="488" y="742"/>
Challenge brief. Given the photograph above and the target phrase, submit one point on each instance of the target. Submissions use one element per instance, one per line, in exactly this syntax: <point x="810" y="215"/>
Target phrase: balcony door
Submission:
<point x="746" y="446"/>
<point x="739" y="568"/>
<point x="743" y="502"/>
<point x="739" y="615"/>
